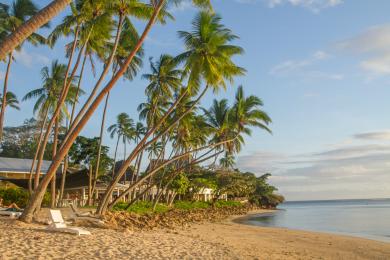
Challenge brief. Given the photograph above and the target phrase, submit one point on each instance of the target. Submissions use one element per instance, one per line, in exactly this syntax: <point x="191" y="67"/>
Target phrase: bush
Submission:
<point x="141" y="207"/>
<point x="188" y="205"/>
<point x="227" y="203"/>
<point x="19" y="196"/>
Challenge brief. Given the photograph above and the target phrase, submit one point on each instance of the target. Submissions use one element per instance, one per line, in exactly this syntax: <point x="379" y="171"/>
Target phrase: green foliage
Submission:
<point x="84" y="152"/>
<point x="188" y="205"/>
<point x="227" y="203"/>
<point x="19" y="197"/>
<point x="141" y="207"/>
<point x="180" y="184"/>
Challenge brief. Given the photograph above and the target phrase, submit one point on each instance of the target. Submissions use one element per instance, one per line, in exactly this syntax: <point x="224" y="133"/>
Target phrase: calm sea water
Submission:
<point x="362" y="218"/>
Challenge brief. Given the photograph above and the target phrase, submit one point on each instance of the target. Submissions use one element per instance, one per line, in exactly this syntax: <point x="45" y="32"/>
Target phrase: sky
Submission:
<point x="321" y="68"/>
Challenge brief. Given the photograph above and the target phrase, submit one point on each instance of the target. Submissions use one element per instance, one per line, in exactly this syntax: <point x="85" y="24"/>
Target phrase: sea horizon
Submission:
<point x="364" y="218"/>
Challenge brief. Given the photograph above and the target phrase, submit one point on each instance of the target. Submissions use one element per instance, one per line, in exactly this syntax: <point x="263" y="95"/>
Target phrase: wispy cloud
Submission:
<point x="373" y="46"/>
<point x="341" y="172"/>
<point x="303" y="68"/>
<point x="182" y="6"/>
<point x="379" y="136"/>
<point x="313" y="5"/>
<point x="31" y="58"/>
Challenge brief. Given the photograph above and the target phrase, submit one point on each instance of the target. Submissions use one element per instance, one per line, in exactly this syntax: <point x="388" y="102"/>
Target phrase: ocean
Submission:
<point x="367" y="218"/>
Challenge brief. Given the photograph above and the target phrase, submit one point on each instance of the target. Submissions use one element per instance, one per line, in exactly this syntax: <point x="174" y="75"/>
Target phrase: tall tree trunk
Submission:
<point x="154" y="170"/>
<point x="116" y="150"/>
<point x="62" y="98"/>
<point x="101" y="78"/>
<point x="100" y="142"/>
<point x="76" y="97"/>
<point x="36" y="176"/>
<point x="37" y="197"/>
<point x="142" y="145"/>
<point x="4" y="98"/>
<point x="53" y="180"/>
<point x="32" y="25"/>
<point x="90" y="185"/>
<point x="63" y="181"/>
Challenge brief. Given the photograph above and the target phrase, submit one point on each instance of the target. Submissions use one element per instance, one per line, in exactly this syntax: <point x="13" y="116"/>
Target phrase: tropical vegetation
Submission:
<point x="183" y="146"/>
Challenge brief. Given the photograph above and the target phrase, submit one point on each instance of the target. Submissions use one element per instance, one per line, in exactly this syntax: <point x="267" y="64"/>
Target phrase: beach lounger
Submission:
<point x="10" y="213"/>
<point x="58" y="224"/>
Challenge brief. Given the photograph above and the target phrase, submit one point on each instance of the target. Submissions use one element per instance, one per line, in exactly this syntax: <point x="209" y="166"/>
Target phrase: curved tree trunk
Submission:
<point x="142" y="145"/>
<point x="36" y="176"/>
<point x="32" y="25"/>
<point x="116" y="150"/>
<point x="53" y="180"/>
<point x="100" y="143"/>
<point x="4" y="98"/>
<point x="101" y="78"/>
<point x="62" y="98"/>
<point x="37" y="197"/>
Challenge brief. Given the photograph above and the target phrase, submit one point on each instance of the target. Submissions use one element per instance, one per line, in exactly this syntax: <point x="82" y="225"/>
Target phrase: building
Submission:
<point x="15" y="168"/>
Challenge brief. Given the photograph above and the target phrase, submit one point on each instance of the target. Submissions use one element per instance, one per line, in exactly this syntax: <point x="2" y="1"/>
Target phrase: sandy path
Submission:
<point x="225" y="240"/>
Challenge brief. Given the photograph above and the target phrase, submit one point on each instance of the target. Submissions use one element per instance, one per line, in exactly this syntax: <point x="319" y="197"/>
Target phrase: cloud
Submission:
<point x="182" y="6"/>
<point x="313" y="5"/>
<point x="302" y="68"/>
<point x="379" y="136"/>
<point x="373" y="45"/>
<point x="29" y="59"/>
<point x="353" y="170"/>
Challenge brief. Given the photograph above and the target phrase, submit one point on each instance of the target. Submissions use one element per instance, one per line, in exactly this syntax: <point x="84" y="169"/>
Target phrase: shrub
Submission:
<point x="188" y="205"/>
<point x="19" y="196"/>
<point x="141" y="207"/>
<point x="227" y="203"/>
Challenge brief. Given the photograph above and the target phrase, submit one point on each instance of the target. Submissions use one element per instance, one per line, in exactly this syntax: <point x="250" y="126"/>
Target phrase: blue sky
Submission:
<point x="322" y="69"/>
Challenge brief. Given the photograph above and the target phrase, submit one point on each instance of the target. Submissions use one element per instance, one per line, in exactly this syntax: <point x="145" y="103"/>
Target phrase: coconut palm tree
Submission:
<point x="36" y="21"/>
<point x="37" y="196"/>
<point x="227" y="162"/>
<point x="12" y="17"/>
<point x="47" y="102"/>
<point x="121" y="129"/>
<point x="12" y="100"/>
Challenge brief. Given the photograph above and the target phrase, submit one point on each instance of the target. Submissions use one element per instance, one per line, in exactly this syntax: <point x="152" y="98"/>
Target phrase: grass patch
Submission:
<point x="188" y="205"/>
<point x="141" y="207"/>
<point x="227" y="203"/>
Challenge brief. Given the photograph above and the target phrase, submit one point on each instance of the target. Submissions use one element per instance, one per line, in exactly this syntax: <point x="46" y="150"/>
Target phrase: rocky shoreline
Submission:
<point x="173" y="218"/>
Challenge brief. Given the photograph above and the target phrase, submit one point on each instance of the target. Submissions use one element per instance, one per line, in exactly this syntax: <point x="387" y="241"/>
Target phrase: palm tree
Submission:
<point x="120" y="129"/>
<point x="25" y="30"/>
<point x="12" y="100"/>
<point x="208" y="55"/>
<point x="47" y="102"/>
<point x="12" y="17"/>
<point x="37" y="197"/>
<point x="227" y="162"/>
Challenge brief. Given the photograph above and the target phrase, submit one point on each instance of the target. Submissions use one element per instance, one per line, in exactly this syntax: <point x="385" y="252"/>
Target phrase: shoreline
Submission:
<point x="224" y="239"/>
<point x="243" y="221"/>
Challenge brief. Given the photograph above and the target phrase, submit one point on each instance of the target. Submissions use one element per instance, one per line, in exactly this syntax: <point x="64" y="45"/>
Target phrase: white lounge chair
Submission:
<point x="10" y="213"/>
<point x="58" y="224"/>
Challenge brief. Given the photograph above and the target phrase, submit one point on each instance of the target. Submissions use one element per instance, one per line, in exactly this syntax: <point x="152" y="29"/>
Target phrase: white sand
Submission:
<point x="224" y="240"/>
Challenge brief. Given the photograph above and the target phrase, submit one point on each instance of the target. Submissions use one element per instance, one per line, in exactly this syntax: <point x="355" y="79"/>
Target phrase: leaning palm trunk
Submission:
<point x="143" y="144"/>
<point x="36" y="177"/>
<point x="66" y="161"/>
<point x="32" y="25"/>
<point x="53" y="180"/>
<point x="37" y="197"/>
<point x="102" y="211"/>
<point x="101" y="78"/>
<point x="4" y="98"/>
<point x="100" y="143"/>
<point x="62" y="98"/>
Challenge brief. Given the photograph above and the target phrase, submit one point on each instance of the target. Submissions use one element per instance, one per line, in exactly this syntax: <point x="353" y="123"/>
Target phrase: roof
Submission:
<point x="16" y="165"/>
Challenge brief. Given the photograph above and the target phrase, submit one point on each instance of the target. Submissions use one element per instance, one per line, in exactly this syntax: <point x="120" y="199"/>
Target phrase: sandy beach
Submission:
<point x="222" y="240"/>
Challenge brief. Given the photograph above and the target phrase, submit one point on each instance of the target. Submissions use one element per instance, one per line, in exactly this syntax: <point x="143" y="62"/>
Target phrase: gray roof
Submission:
<point x="20" y="165"/>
